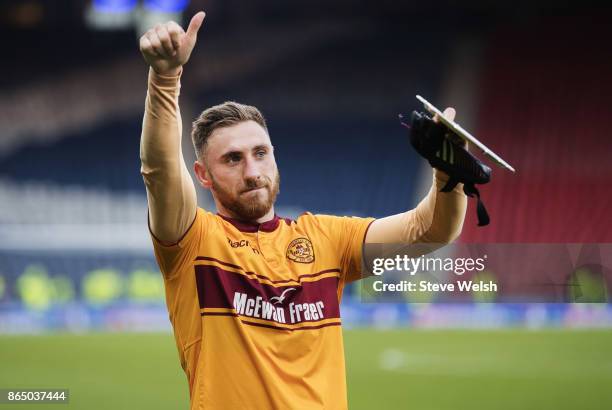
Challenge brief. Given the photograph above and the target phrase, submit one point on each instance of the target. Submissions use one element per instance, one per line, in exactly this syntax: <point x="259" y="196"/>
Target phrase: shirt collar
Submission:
<point x="247" y="226"/>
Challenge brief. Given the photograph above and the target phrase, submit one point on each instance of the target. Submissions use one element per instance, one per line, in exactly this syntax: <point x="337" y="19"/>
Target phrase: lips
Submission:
<point x="253" y="189"/>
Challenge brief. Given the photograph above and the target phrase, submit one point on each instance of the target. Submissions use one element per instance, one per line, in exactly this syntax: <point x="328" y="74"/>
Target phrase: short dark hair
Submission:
<point x="223" y="115"/>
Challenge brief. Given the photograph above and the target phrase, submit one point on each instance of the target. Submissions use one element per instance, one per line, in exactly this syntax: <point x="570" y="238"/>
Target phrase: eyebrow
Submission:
<point x="261" y="146"/>
<point x="230" y="154"/>
<point x="237" y="152"/>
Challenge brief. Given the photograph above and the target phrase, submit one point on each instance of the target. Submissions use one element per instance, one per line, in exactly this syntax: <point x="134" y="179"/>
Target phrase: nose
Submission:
<point x="251" y="170"/>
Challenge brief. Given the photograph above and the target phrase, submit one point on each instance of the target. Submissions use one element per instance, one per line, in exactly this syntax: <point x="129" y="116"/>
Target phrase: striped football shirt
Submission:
<point x="255" y="309"/>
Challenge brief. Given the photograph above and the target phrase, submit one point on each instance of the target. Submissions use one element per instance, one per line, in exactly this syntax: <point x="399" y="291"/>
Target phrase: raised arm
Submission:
<point x="438" y="218"/>
<point x="171" y="193"/>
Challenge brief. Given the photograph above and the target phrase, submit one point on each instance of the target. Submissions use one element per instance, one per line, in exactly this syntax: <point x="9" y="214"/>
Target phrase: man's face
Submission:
<point x="242" y="171"/>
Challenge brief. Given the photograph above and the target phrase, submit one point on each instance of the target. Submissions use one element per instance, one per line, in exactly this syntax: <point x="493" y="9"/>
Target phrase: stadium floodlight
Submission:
<point x="110" y="14"/>
<point x="124" y="14"/>
<point x="166" y="6"/>
<point x="153" y="12"/>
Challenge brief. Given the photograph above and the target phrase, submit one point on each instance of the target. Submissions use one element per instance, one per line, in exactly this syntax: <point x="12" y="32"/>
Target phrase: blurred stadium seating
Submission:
<point x="546" y="107"/>
<point x="331" y="84"/>
<point x="81" y="298"/>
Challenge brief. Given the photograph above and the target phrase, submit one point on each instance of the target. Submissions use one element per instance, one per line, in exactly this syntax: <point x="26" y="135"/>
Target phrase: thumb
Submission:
<point x="194" y="25"/>
<point x="450" y="113"/>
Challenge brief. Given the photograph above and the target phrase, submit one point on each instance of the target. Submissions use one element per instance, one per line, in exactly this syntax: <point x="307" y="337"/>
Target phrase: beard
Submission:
<point x="246" y="205"/>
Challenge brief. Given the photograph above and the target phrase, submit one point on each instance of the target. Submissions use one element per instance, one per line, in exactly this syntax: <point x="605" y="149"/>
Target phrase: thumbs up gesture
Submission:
<point x="167" y="47"/>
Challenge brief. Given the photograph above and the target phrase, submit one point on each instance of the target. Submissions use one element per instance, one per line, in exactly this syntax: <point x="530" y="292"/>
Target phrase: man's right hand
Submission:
<point x="167" y="47"/>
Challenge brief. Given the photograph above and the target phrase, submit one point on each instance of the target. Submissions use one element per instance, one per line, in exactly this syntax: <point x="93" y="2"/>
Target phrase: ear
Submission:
<point x="202" y="174"/>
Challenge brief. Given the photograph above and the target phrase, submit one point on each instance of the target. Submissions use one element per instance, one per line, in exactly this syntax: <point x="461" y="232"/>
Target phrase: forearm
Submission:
<point x="438" y="218"/>
<point x="170" y="190"/>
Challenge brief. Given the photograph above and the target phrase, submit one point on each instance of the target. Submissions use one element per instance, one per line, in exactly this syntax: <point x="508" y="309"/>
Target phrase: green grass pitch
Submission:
<point x="394" y="369"/>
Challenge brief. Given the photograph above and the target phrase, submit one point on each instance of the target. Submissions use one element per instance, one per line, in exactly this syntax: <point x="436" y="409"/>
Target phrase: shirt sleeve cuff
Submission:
<point x="164" y="80"/>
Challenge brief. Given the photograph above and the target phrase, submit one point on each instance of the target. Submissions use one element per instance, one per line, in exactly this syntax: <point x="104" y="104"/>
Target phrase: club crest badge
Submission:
<point x="300" y="250"/>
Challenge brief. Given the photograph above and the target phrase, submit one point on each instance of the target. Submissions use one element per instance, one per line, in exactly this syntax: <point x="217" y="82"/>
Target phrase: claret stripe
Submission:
<point x="218" y="314"/>
<point x="221" y="289"/>
<point x="302" y="278"/>
<point x="208" y="258"/>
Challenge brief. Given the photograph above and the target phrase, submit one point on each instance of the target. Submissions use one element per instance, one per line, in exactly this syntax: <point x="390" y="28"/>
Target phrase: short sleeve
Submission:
<point x="348" y="236"/>
<point x="173" y="259"/>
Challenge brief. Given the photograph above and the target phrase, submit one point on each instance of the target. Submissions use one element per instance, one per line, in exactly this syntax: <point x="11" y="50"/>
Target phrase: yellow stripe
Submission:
<point x="270" y="322"/>
<point x="217" y="310"/>
<point x="319" y="277"/>
<point x="294" y="326"/>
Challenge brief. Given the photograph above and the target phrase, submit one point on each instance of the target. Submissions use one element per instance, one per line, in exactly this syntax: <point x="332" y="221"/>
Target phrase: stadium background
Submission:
<point x="81" y="300"/>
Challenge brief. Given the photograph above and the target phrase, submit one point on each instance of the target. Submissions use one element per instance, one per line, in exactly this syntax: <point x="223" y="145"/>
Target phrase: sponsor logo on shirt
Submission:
<point x="257" y="307"/>
<point x="279" y="299"/>
<point x="242" y="243"/>
<point x="227" y="289"/>
<point x="300" y="250"/>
